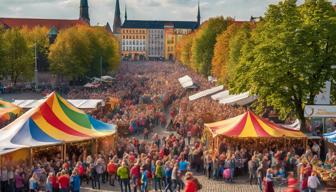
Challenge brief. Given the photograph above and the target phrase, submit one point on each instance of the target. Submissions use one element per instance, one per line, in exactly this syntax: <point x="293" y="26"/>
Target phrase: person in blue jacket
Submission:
<point x="75" y="181"/>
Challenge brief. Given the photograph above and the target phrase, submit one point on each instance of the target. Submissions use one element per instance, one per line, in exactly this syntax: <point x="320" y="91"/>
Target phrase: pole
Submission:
<point x="36" y="71"/>
<point x="101" y="66"/>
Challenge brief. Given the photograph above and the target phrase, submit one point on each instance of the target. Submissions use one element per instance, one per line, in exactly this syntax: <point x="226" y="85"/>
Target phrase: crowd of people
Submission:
<point x="163" y="164"/>
<point x="142" y="98"/>
<point x="151" y="95"/>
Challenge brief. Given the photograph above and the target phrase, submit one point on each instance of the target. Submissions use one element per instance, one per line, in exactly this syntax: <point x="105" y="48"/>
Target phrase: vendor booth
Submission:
<point x="247" y="127"/>
<point x="8" y="111"/>
<point x="55" y="125"/>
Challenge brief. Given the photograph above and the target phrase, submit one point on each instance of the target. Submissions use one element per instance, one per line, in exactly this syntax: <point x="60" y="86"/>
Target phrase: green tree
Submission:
<point x="77" y="52"/>
<point x="38" y="36"/>
<point x="236" y="43"/>
<point x="204" y="43"/>
<point x="289" y="56"/>
<point x="70" y="54"/>
<point x="18" y="57"/>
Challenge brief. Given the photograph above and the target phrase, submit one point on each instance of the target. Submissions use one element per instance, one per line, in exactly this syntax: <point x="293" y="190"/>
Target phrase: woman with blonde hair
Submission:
<point x="33" y="183"/>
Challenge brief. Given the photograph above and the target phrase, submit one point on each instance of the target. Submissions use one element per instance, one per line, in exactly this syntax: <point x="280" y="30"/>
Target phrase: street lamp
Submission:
<point x="36" y="71"/>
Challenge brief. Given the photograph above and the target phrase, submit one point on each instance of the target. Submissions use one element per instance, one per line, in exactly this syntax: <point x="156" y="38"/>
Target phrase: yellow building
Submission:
<point x="134" y="43"/>
<point x="150" y="40"/>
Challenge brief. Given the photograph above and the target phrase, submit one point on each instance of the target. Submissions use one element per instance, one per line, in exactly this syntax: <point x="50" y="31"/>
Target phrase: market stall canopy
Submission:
<point x="8" y="110"/>
<point x="206" y="93"/>
<point x="78" y="103"/>
<point x="54" y="121"/>
<point x="331" y="137"/>
<point x="221" y="95"/>
<point x="240" y="99"/>
<point x="186" y="82"/>
<point x="249" y="125"/>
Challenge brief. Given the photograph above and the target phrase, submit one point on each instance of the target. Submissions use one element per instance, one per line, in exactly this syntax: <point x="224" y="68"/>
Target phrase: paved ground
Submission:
<point x="240" y="185"/>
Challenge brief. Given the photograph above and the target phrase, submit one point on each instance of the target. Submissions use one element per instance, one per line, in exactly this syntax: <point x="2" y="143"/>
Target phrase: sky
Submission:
<point x="102" y="11"/>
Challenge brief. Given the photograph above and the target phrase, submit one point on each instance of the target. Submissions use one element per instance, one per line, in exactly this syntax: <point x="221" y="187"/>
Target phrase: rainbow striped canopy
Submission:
<point x="8" y="111"/>
<point x="54" y="121"/>
<point x="249" y="125"/>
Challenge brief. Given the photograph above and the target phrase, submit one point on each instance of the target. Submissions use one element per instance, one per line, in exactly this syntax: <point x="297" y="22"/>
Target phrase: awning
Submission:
<point x="249" y="125"/>
<point x="240" y="99"/>
<point x="78" y="103"/>
<point x="206" y="93"/>
<point x="221" y="95"/>
<point x="331" y="137"/>
<point x="186" y="81"/>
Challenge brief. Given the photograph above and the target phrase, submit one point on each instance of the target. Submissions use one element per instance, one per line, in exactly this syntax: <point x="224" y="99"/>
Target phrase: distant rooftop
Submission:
<point x="148" y="24"/>
<point x="34" y="22"/>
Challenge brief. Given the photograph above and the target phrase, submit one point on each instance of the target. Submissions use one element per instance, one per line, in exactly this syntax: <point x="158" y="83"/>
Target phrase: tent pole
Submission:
<point x="65" y="151"/>
<point x="31" y="157"/>
<point x="1" y="163"/>
<point x="96" y="144"/>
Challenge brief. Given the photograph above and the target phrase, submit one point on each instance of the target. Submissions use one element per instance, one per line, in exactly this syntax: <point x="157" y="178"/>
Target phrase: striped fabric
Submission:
<point x="56" y="121"/>
<point x="249" y="125"/>
<point x="331" y="137"/>
<point x="8" y="111"/>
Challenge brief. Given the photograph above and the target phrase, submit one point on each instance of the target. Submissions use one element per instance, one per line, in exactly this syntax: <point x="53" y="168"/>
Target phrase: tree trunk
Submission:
<point x="301" y="117"/>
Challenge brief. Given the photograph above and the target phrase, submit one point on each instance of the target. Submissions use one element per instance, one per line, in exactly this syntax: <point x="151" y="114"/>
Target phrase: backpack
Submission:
<point x="198" y="184"/>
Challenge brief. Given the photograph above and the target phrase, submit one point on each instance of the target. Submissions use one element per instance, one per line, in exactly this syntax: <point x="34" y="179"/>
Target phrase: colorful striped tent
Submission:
<point x="331" y="137"/>
<point x="249" y="125"/>
<point x="54" y="121"/>
<point x="8" y="111"/>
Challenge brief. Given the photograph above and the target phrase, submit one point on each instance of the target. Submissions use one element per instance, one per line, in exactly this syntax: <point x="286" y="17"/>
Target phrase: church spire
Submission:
<point x="117" y="20"/>
<point x="198" y="14"/>
<point x="84" y="11"/>
<point x="125" y="12"/>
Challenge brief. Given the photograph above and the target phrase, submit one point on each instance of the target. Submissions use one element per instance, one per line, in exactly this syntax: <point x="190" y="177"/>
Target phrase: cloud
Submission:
<point x="102" y="11"/>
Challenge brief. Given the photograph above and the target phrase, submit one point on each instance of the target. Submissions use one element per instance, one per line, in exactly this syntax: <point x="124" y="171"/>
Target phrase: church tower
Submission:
<point x="199" y="15"/>
<point x="117" y="19"/>
<point x="84" y="11"/>
<point x="125" y="12"/>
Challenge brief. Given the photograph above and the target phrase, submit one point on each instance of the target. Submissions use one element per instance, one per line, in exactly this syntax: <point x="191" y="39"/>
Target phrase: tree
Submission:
<point x="38" y="36"/>
<point x="183" y="50"/>
<point x="221" y="53"/>
<point x="239" y="39"/>
<point x="204" y="43"/>
<point x="77" y="52"/>
<point x="70" y="54"/>
<point x="18" y="57"/>
<point x="2" y="54"/>
<point x="289" y="56"/>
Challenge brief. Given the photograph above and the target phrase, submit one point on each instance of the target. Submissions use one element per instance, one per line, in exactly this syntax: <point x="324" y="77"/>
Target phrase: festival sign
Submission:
<point x="320" y="111"/>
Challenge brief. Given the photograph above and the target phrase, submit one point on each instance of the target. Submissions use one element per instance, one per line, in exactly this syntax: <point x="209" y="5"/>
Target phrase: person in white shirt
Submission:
<point x="313" y="182"/>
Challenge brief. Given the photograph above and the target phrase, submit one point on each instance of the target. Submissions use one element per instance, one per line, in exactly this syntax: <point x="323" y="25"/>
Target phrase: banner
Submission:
<point x="320" y="111"/>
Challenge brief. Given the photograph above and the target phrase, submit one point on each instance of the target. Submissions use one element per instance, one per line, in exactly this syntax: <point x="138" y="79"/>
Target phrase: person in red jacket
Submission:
<point x="292" y="183"/>
<point x="190" y="185"/>
<point x="64" y="182"/>
<point x="112" y="170"/>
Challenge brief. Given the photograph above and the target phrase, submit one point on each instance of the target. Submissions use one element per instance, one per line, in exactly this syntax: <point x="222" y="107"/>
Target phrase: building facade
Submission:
<point x="150" y="40"/>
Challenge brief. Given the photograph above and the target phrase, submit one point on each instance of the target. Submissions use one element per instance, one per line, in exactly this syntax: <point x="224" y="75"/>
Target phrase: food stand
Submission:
<point x="56" y="125"/>
<point x="250" y="128"/>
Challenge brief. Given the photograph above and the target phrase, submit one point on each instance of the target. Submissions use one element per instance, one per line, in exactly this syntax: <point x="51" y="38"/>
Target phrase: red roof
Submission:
<point x="31" y="23"/>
